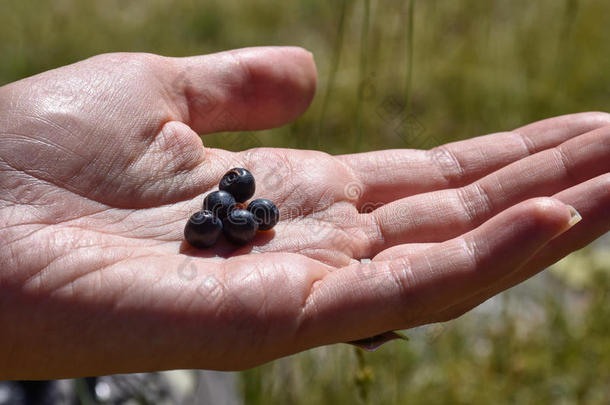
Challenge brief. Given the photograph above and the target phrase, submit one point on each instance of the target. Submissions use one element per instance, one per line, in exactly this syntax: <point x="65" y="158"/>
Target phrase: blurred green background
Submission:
<point x="396" y="74"/>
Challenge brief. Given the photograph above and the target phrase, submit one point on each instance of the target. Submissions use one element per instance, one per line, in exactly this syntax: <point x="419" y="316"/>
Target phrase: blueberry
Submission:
<point x="220" y="203"/>
<point x="239" y="182"/>
<point x="240" y="226"/>
<point x="266" y="213"/>
<point x="202" y="229"/>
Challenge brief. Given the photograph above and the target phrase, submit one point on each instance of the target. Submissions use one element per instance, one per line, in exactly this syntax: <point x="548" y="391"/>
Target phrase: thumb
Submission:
<point x="244" y="89"/>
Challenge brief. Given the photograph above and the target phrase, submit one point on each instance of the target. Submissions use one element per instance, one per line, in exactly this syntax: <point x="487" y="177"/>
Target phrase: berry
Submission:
<point x="240" y="226"/>
<point x="239" y="182"/>
<point x="265" y="212"/>
<point x="202" y="229"/>
<point x="220" y="203"/>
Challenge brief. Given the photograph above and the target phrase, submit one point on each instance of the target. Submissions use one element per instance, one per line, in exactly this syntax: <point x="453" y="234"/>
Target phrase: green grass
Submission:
<point x="464" y="68"/>
<point x="392" y="75"/>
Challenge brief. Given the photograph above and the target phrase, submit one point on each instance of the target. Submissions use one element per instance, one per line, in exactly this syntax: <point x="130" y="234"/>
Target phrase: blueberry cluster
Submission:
<point x="221" y="213"/>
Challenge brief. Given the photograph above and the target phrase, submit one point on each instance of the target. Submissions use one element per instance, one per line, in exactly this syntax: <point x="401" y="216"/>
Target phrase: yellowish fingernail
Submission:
<point x="575" y="216"/>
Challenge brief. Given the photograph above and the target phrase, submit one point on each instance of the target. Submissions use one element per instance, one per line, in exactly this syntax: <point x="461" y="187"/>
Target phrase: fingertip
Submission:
<point x="551" y="215"/>
<point x="282" y="79"/>
<point x="244" y="89"/>
<point x="308" y="75"/>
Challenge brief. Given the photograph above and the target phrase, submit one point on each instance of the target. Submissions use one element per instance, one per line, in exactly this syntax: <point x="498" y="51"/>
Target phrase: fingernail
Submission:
<point x="575" y="216"/>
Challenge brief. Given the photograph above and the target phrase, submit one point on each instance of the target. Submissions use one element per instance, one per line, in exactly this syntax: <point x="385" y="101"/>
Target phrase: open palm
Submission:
<point x="101" y="166"/>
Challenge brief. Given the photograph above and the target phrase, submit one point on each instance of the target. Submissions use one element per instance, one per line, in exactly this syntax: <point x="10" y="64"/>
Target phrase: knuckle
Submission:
<point x="476" y="201"/>
<point x="448" y="164"/>
<point x="475" y="251"/>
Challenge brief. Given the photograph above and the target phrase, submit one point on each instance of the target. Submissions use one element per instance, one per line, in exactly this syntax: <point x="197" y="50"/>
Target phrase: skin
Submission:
<point x="101" y="165"/>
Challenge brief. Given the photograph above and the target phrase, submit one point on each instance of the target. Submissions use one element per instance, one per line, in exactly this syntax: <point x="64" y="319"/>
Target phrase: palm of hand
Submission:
<point x="111" y="173"/>
<point x="115" y="178"/>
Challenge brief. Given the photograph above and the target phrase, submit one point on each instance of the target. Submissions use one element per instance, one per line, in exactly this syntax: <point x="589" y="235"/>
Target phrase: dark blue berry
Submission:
<point x="239" y="182"/>
<point x="265" y="212"/>
<point x="240" y="226"/>
<point x="202" y="229"/>
<point x="220" y="203"/>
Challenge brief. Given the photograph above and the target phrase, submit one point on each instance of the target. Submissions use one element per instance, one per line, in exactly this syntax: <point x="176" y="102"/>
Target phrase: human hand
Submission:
<point x="101" y="165"/>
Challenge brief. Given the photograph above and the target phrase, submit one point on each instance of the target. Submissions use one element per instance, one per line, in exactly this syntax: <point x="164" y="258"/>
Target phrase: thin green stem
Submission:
<point x="363" y="377"/>
<point x="362" y="73"/>
<point x="408" y="67"/>
<point x="334" y="67"/>
<point x="82" y="392"/>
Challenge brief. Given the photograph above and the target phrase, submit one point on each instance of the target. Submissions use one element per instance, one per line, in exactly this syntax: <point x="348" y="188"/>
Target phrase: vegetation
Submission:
<point x="396" y="74"/>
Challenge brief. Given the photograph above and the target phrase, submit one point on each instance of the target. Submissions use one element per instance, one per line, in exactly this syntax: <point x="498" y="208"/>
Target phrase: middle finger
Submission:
<point x="441" y="215"/>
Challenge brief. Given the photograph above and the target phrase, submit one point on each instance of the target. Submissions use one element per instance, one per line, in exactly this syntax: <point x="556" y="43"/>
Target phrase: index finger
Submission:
<point x="389" y="175"/>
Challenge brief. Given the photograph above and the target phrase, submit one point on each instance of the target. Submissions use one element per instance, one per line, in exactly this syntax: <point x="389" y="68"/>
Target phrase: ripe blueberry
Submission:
<point x="220" y="203"/>
<point x="239" y="182"/>
<point x="202" y="229"/>
<point x="240" y="226"/>
<point x="265" y="212"/>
